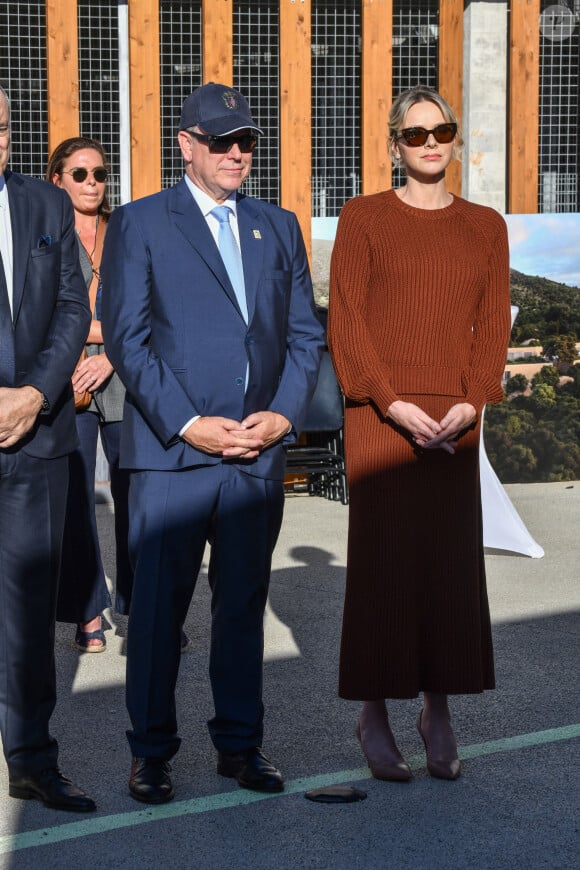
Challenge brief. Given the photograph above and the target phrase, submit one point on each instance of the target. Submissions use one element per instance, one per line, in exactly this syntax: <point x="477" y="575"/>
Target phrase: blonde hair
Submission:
<point x="402" y="104"/>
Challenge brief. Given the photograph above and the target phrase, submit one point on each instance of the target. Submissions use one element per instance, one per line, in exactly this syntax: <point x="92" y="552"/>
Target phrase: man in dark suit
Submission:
<point x="219" y="362"/>
<point x="44" y="321"/>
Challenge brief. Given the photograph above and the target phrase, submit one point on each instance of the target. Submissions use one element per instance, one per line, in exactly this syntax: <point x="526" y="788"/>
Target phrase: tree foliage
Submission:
<point x="547" y="308"/>
<point x="546" y="375"/>
<point x="517" y="384"/>
<point x="534" y="439"/>
<point x="561" y="349"/>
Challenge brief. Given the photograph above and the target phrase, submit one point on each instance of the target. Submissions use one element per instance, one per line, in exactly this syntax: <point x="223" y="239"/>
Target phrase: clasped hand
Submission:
<point x="91" y="373"/>
<point x="19" y="407"/>
<point x="234" y="439"/>
<point x="428" y="433"/>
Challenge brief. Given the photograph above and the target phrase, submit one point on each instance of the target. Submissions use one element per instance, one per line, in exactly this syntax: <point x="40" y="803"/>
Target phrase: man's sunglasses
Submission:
<point x="79" y="174"/>
<point x="415" y="136"/>
<point x="222" y="144"/>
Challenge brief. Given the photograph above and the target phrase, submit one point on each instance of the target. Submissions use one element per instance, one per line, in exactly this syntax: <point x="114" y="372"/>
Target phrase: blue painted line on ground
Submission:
<point x="240" y="797"/>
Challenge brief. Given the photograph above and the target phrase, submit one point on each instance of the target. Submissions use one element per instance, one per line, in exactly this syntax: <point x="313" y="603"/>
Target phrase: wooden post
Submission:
<point x="145" y="97"/>
<point x="296" y="112"/>
<point x="451" y="71"/>
<point x="62" y="62"/>
<point x="376" y="93"/>
<point x="524" y="106"/>
<point x="218" y="41"/>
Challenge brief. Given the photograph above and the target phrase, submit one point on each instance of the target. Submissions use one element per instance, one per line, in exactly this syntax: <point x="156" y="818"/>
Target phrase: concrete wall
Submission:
<point x="485" y="103"/>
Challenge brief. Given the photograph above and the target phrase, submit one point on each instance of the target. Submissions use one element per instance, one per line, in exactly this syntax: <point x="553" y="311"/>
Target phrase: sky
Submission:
<point x="543" y="245"/>
<point x="546" y="245"/>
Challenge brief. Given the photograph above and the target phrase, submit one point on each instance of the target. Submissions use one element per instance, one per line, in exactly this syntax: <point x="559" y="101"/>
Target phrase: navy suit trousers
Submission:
<point x="172" y="516"/>
<point x="83" y="592"/>
<point x="33" y="497"/>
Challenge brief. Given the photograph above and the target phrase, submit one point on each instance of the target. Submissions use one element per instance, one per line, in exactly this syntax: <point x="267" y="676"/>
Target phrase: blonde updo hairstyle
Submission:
<point x="398" y="113"/>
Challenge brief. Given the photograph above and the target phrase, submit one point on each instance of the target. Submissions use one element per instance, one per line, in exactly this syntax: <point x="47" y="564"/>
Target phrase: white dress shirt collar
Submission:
<point x="205" y="201"/>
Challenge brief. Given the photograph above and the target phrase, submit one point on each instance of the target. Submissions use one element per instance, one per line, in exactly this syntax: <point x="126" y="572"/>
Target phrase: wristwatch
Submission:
<point x="45" y="407"/>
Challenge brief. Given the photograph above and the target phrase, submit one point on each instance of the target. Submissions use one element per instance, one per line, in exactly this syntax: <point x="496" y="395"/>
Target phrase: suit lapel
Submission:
<point x="20" y="222"/>
<point x="190" y="221"/>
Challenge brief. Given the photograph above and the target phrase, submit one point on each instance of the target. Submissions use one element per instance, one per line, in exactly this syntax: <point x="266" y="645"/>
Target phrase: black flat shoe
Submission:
<point x="51" y="788"/>
<point x="252" y="770"/>
<point x="150" y="782"/>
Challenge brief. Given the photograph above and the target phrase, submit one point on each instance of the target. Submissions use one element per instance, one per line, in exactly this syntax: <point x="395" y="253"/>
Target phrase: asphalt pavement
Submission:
<point x="515" y="806"/>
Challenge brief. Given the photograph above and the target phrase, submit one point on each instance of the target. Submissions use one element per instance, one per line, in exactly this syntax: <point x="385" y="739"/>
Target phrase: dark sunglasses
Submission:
<point x="222" y="144"/>
<point x="415" y="136"/>
<point x="79" y="174"/>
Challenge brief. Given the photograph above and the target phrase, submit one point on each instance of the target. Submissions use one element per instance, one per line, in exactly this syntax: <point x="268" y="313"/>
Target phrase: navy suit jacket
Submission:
<point x="51" y="314"/>
<point x="175" y="334"/>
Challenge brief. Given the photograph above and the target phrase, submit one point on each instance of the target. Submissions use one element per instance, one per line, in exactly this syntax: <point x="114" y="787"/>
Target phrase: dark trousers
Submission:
<point x="83" y="588"/>
<point x="32" y="507"/>
<point x="173" y="514"/>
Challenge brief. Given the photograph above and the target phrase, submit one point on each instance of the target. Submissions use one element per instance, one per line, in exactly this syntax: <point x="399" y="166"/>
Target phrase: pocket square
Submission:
<point x="44" y="242"/>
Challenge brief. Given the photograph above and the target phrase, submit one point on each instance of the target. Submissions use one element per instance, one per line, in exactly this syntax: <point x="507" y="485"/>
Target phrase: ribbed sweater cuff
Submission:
<point x="384" y="399"/>
<point x="476" y="397"/>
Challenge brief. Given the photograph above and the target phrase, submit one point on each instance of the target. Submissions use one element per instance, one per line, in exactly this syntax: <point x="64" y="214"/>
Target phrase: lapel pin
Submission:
<point x="257" y="234"/>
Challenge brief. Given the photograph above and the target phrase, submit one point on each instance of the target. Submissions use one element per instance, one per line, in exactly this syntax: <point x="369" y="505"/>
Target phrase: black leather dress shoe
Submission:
<point x="53" y="789"/>
<point x="252" y="770"/>
<point x="150" y="782"/>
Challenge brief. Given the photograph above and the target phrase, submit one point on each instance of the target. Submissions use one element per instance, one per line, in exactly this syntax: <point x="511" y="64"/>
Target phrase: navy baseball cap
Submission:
<point x="218" y="110"/>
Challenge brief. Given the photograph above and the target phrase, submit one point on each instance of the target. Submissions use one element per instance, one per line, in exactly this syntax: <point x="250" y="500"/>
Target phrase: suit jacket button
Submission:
<point x="239" y="382"/>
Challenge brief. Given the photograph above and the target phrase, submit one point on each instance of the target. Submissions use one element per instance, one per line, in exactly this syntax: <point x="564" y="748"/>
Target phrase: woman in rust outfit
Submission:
<point x="419" y="324"/>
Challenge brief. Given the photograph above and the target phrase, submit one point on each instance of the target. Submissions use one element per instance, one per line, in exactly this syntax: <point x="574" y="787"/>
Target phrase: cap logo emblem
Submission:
<point x="230" y="100"/>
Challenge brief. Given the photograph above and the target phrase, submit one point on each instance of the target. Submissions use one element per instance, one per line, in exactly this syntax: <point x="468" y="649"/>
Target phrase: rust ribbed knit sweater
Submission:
<point x="419" y="310"/>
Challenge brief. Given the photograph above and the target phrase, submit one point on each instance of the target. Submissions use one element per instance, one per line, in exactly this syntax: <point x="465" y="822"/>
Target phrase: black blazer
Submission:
<point x="50" y="313"/>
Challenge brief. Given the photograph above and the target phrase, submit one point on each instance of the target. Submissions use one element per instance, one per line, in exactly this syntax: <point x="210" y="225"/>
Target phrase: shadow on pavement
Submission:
<point x="510" y="809"/>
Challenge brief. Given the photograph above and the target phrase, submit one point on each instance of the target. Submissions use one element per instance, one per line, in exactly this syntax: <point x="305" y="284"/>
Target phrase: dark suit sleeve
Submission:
<point x="126" y="323"/>
<point x="304" y="340"/>
<point x="66" y="333"/>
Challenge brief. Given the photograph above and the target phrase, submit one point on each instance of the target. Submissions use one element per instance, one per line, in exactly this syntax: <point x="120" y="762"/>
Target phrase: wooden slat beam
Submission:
<point x="296" y="112"/>
<point x="145" y="97"/>
<point x="218" y="41"/>
<point x="62" y="71"/>
<point x="451" y="71"/>
<point x="376" y="93"/>
<point x="524" y="100"/>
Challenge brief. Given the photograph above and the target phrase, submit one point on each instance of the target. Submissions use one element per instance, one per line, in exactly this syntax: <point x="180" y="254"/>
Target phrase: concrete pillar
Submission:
<point x="485" y="83"/>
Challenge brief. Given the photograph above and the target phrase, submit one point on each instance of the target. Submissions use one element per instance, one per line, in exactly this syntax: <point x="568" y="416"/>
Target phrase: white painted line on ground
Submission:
<point x="241" y="797"/>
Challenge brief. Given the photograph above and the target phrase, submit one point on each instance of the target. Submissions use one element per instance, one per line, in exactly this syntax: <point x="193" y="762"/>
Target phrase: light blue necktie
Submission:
<point x="230" y="254"/>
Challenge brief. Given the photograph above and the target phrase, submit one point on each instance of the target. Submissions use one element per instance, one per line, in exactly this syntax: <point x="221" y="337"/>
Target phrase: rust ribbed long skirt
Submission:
<point x="416" y="615"/>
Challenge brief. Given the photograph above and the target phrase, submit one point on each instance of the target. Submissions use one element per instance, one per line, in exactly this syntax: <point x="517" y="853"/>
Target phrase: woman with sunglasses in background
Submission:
<point x="79" y="165"/>
<point x="419" y="324"/>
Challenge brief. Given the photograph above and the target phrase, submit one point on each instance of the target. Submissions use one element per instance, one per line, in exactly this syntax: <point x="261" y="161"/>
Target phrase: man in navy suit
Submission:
<point x="220" y="361"/>
<point x="44" y="321"/>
